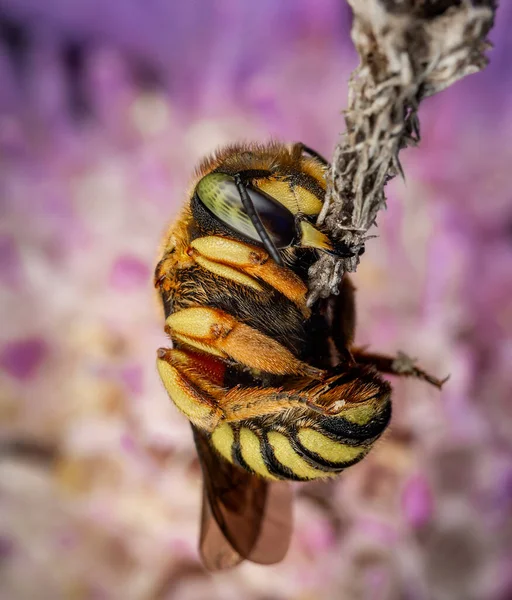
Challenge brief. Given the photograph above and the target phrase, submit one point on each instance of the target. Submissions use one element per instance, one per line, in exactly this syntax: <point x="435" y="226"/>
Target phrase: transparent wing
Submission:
<point x="244" y="516"/>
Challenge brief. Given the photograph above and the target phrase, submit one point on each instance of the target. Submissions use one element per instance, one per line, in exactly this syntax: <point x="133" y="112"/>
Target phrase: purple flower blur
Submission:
<point x="105" y="107"/>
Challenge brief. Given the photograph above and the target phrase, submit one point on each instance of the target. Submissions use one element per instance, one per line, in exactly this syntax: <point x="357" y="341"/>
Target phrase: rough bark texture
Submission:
<point x="408" y="50"/>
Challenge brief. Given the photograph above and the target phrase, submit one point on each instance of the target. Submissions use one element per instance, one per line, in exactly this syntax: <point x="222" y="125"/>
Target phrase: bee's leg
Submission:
<point x="401" y="365"/>
<point x="354" y="387"/>
<point x="246" y="264"/>
<point x="216" y="332"/>
<point x="191" y="381"/>
<point x="242" y="403"/>
<point x="194" y="383"/>
<point x="340" y="314"/>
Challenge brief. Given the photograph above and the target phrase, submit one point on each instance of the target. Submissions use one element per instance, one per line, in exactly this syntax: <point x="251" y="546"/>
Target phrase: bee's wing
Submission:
<point x="244" y="516"/>
<point x="216" y="552"/>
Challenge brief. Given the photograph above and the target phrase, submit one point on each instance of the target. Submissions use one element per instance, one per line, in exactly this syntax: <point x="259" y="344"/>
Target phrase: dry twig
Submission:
<point x="409" y="49"/>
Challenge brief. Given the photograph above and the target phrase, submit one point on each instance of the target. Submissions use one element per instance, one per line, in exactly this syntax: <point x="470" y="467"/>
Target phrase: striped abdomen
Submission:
<point x="303" y="448"/>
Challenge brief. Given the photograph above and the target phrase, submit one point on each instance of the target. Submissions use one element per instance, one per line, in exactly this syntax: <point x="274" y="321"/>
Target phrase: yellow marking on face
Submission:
<point x="250" y="446"/>
<point x="223" y="438"/>
<point x="312" y="238"/>
<point x="280" y="191"/>
<point x="329" y="450"/>
<point x="309" y="204"/>
<point x="296" y="199"/>
<point x="185" y="396"/>
<point x="228" y="273"/>
<point x="199" y="345"/>
<point x="287" y="456"/>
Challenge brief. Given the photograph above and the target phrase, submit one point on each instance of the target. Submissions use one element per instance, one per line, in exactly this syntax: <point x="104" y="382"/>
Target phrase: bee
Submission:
<point x="275" y="391"/>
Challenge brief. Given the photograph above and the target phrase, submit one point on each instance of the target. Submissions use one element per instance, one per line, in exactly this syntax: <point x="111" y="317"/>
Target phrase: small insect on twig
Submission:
<point x="408" y="50"/>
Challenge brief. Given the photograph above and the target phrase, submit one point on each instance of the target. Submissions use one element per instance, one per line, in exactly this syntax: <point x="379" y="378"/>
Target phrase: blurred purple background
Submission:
<point x="105" y="107"/>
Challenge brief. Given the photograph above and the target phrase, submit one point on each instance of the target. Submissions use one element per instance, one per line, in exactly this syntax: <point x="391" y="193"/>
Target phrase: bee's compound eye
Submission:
<point x="219" y="194"/>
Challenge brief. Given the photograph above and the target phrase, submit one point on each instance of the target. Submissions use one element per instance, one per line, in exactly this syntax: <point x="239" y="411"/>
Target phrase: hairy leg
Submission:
<point x="400" y="365"/>
<point x="247" y="264"/>
<point x="194" y="383"/>
<point x="216" y="332"/>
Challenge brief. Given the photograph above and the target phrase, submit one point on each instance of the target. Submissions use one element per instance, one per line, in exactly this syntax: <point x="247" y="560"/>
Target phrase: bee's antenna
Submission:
<point x="256" y="221"/>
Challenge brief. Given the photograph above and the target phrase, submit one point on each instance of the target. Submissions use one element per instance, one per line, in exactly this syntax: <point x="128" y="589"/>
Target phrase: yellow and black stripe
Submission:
<point x="310" y="449"/>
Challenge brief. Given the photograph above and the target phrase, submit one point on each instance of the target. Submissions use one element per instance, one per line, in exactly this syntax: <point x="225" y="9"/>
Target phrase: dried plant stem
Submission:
<point x="408" y="49"/>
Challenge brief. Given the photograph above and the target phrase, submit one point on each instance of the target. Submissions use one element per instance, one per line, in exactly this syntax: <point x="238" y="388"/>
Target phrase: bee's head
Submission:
<point x="236" y="205"/>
